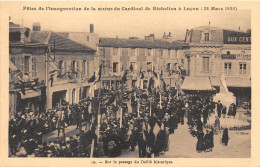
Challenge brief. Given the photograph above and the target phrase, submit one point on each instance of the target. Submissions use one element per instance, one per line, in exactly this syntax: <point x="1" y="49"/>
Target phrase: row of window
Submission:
<point x="242" y="52"/>
<point x="148" y="52"/>
<point x="133" y="66"/>
<point x="227" y="66"/>
<point x="74" y="67"/>
<point x="24" y="64"/>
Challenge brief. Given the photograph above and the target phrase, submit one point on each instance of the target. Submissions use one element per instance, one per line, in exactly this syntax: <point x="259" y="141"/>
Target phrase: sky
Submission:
<point x="126" y="24"/>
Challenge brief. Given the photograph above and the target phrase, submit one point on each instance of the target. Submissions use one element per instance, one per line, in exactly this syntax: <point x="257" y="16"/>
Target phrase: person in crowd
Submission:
<point x="211" y="139"/>
<point x="225" y="137"/>
<point x="224" y="111"/>
<point x="219" y="108"/>
<point x="149" y="131"/>
<point x="234" y="112"/>
<point x="217" y="125"/>
<point x="200" y="146"/>
<point x="230" y="110"/>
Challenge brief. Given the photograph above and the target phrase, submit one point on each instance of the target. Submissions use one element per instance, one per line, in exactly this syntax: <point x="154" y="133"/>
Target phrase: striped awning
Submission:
<point x="197" y="83"/>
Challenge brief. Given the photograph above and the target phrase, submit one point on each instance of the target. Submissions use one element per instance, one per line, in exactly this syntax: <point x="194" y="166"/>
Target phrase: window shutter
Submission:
<point x="22" y="64"/>
<point x="18" y="62"/>
<point x="77" y="68"/>
<point x="65" y="67"/>
<point x="111" y="68"/>
<point x="33" y="67"/>
<point x="121" y="67"/>
<point x="87" y="68"/>
<point x="83" y="67"/>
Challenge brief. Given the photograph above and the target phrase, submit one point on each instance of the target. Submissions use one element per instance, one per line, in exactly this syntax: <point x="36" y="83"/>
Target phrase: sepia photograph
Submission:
<point x="141" y="80"/>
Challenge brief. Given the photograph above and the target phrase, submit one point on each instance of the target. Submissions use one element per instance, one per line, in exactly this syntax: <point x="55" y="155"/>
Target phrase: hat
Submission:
<point x="40" y="146"/>
<point x="67" y="139"/>
<point x="21" y="151"/>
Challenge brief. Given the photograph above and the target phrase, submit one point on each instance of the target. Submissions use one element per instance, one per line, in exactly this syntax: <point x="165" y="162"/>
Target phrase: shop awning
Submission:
<point x="12" y="66"/>
<point x="232" y="82"/>
<point x="30" y="94"/>
<point x="238" y="82"/>
<point x="197" y="83"/>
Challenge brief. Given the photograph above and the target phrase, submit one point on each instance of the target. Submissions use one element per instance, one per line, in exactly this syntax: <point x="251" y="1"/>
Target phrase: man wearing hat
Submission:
<point x="219" y="108"/>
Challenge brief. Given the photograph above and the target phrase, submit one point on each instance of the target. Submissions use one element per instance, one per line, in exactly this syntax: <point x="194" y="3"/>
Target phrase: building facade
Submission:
<point x="214" y="52"/>
<point x="135" y="55"/>
<point x="62" y="67"/>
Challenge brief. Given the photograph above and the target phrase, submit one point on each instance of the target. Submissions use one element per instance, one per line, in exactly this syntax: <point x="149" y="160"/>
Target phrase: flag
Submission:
<point x="92" y="79"/>
<point x="131" y="68"/>
<point x="155" y="74"/>
<point x="22" y="86"/>
<point x="52" y="71"/>
<point x="140" y="79"/>
<point x="156" y="129"/>
<point x="151" y="83"/>
<point x="99" y="73"/>
<point x="96" y="76"/>
<point x="124" y="79"/>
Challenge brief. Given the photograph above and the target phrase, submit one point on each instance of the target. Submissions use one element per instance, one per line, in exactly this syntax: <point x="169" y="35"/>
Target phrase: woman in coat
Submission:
<point x="225" y="136"/>
<point x="199" y="146"/>
<point x="224" y="111"/>
<point x="230" y="110"/>
<point x="211" y="139"/>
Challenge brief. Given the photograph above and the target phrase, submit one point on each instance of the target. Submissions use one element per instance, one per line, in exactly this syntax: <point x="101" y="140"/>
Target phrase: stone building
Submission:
<point x="214" y="52"/>
<point x="61" y="65"/>
<point x="144" y="55"/>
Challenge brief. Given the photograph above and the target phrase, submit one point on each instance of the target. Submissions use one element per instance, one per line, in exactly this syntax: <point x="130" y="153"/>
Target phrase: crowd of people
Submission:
<point x="117" y="119"/>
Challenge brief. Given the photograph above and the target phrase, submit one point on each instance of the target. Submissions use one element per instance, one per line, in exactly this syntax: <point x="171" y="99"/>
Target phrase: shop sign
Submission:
<point x="236" y="56"/>
<point x="233" y="37"/>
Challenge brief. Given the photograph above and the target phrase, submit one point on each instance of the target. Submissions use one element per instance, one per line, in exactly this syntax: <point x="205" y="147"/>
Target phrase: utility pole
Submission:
<point x="47" y="78"/>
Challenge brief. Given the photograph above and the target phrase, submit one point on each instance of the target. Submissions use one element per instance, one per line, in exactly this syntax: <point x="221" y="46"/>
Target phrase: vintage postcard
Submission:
<point x="119" y="83"/>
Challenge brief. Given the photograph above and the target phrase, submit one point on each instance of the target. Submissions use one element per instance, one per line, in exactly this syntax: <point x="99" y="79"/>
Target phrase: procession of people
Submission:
<point x="116" y="119"/>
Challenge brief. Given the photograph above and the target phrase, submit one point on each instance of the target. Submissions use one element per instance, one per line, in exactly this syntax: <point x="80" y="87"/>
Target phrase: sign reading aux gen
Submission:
<point x="233" y="37"/>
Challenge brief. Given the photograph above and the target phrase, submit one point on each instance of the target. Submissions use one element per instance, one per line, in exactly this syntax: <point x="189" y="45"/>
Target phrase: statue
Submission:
<point x="224" y="95"/>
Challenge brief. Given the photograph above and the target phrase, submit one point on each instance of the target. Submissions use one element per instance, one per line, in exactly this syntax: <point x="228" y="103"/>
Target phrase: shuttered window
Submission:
<point x="34" y="66"/>
<point x="26" y="64"/>
<point x="83" y="67"/>
<point x="242" y="68"/>
<point x="87" y="68"/>
<point x="228" y="68"/>
<point x="205" y="64"/>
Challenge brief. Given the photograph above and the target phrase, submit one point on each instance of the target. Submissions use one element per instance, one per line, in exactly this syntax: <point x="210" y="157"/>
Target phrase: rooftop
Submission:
<point x="61" y="42"/>
<point x="138" y="43"/>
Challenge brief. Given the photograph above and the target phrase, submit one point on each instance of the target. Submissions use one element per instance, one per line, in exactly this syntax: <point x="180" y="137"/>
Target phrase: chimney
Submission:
<point x="170" y="34"/>
<point x="36" y="26"/>
<point x="164" y="35"/>
<point x="91" y="28"/>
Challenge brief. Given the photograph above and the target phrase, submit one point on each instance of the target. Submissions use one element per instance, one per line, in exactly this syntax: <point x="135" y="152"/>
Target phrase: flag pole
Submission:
<point x="92" y="148"/>
<point x="121" y="117"/>
<point x="150" y="106"/>
<point x="160" y="100"/>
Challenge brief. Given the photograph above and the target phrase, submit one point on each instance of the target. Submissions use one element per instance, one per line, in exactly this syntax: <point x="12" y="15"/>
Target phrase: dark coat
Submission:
<point x="225" y="136"/>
